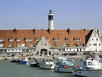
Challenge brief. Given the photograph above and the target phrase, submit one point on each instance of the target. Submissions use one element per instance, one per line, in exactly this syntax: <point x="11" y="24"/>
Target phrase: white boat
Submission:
<point x="91" y="67"/>
<point x="64" y="65"/>
<point x="34" y="63"/>
<point x="47" y="64"/>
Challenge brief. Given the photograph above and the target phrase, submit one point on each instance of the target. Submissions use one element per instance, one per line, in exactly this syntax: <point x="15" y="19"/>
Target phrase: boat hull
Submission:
<point x="69" y="69"/>
<point x="46" y="66"/>
<point x="23" y="62"/>
<point x="88" y="73"/>
<point x="13" y="61"/>
<point x="34" y="64"/>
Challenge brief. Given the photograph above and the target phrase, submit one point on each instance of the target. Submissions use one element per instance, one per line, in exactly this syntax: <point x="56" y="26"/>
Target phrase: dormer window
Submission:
<point x="76" y="39"/>
<point x="56" y="39"/>
<point x="10" y="39"/>
<point x="1" y="39"/>
<point x="17" y="39"/>
<point x="37" y="39"/>
<point x="28" y="39"/>
<point x="75" y="45"/>
<point x="66" y="39"/>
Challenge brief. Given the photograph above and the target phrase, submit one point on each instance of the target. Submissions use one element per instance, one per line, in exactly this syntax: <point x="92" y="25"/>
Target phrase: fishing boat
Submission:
<point x="47" y="64"/>
<point x="64" y="65"/>
<point x="91" y="67"/>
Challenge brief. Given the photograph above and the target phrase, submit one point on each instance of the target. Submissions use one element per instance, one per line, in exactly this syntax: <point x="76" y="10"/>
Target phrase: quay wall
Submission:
<point x="9" y="57"/>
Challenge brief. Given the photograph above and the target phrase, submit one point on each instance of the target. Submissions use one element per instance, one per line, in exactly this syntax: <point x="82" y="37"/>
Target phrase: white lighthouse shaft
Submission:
<point x="50" y="21"/>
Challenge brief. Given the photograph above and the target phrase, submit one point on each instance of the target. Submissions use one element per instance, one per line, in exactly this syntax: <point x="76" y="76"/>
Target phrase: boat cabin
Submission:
<point x="92" y="64"/>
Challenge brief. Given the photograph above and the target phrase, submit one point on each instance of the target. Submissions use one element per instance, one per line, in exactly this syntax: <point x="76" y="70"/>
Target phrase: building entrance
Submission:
<point x="43" y="52"/>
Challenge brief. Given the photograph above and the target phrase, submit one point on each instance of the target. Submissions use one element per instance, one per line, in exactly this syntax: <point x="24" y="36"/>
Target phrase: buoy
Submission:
<point x="65" y="66"/>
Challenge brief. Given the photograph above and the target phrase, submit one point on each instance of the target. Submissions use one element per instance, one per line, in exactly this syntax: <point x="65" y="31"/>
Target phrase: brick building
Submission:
<point x="50" y="40"/>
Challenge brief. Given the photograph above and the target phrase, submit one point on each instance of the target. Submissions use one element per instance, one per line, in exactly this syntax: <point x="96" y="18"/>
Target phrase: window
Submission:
<point x="75" y="44"/>
<point x="17" y="39"/>
<point x="54" y="45"/>
<point x="81" y="45"/>
<point x="66" y="39"/>
<point x="97" y="39"/>
<point x="2" y="40"/>
<point x="99" y="44"/>
<point x="32" y="45"/>
<point x="56" y="39"/>
<point x="28" y="39"/>
<point x="10" y="45"/>
<point x="10" y="39"/>
<point x="1" y="45"/>
<point x="64" y="45"/>
<point x="90" y="63"/>
<point x="76" y="39"/>
<point x="37" y="39"/>
<point x="95" y="44"/>
<point x="84" y="63"/>
<point x="21" y="45"/>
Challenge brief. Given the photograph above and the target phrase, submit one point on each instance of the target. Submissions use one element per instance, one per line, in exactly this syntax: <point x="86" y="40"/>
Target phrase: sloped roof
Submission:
<point x="83" y="35"/>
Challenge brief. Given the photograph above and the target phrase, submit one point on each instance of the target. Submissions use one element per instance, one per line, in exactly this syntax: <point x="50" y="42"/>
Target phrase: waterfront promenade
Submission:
<point x="5" y="57"/>
<point x="8" y="56"/>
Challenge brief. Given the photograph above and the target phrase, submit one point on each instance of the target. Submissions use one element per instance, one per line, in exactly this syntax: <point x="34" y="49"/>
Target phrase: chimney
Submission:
<point x="48" y="30"/>
<point x="68" y="30"/>
<point x="34" y="31"/>
<point x="14" y="30"/>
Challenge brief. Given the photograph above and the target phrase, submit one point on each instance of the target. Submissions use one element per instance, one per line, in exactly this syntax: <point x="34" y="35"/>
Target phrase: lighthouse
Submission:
<point x="50" y="20"/>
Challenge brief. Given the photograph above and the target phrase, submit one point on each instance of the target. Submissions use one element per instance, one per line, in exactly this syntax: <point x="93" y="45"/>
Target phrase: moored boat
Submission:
<point x="24" y="60"/>
<point x="47" y="64"/>
<point x="35" y="63"/>
<point x="90" y="67"/>
<point x="64" y="65"/>
<point x="14" y="61"/>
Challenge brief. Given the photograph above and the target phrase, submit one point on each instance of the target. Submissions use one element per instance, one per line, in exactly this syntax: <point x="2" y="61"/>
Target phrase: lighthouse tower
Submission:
<point x="50" y="20"/>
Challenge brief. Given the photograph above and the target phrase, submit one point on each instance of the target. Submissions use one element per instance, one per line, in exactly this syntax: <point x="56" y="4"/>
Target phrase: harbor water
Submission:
<point x="8" y="69"/>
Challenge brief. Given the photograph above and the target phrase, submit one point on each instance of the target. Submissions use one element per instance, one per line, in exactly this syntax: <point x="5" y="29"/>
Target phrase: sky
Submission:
<point x="33" y="14"/>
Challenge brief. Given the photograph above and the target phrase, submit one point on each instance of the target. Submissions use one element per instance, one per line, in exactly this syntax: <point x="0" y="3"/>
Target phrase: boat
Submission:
<point x="24" y="60"/>
<point x="64" y="65"/>
<point x="46" y="64"/>
<point x="35" y="63"/>
<point x="14" y="61"/>
<point x="91" y="67"/>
